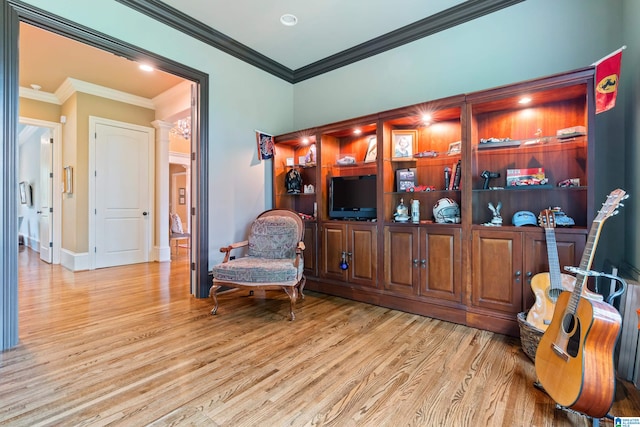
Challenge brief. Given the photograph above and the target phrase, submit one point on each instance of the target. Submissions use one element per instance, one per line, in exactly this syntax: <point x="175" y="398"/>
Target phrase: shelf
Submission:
<point x="531" y="187"/>
<point x="296" y="194"/>
<point x="520" y="144"/>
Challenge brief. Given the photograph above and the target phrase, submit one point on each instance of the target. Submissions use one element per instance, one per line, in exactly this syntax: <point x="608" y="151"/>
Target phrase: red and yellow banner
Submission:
<point x="607" y="79"/>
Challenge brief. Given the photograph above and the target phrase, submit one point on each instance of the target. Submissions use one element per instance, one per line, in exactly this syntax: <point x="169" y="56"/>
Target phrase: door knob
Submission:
<point x="145" y="213"/>
<point x="38" y="212"/>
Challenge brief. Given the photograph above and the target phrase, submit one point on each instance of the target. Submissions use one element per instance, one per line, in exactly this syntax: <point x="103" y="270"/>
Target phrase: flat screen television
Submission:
<point x="353" y="197"/>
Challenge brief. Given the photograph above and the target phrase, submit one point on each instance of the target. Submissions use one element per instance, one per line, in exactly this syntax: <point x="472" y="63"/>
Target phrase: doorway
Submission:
<point x="39" y="223"/>
<point x="11" y="14"/>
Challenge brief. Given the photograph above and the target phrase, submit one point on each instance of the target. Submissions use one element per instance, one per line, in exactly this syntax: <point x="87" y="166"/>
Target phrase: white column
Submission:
<point x="162" y="248"/>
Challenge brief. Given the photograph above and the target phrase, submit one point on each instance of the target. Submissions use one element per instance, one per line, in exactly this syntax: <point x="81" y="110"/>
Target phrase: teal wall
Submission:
<point x="630" y="102"/>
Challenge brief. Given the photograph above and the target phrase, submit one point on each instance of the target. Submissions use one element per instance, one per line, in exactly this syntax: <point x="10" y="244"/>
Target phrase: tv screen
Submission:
<point x="352" y="197"/>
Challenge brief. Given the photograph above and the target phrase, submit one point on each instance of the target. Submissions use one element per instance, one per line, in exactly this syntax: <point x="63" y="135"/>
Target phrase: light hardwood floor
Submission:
<point x="129" y="346"/>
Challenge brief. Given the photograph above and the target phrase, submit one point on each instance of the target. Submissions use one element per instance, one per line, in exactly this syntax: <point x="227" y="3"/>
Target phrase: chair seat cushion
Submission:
<point x="257" y="269"/>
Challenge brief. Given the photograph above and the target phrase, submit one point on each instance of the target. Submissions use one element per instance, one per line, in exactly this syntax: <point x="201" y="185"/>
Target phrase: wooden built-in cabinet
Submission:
<point x="423" y="261"/>
<point x="357" y="243"/>
<point x="466" y="271"/>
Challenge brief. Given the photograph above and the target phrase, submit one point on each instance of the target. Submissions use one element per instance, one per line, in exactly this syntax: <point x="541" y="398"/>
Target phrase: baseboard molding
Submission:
<point x="32" y="243"/>
<point x="74" y="261"/>
<point x="162" y="253"/>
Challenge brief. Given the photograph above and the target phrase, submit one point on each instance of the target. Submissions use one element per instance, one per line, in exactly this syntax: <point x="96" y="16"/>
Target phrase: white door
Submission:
<point x="122" y="196"/>
<point x="45" y="201"/>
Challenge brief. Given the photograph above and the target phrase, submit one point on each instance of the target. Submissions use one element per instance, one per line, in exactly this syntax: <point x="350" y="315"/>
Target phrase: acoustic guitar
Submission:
<point x="547" y="286"/>
<point x="574" y="359"/>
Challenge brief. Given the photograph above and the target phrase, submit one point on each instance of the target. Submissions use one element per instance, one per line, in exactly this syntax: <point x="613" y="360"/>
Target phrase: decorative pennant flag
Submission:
<point x="607" y="79"/>
<point x="266" y="145"/>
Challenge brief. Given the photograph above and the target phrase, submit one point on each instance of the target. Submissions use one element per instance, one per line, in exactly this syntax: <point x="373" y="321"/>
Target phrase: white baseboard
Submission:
<point x="162" y="253"/>
<point x="32" y="243"/>
<point x="74" y="261"/>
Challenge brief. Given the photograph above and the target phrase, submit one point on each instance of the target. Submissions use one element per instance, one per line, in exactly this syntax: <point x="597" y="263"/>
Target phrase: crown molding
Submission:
<point x="38" y="95"/>
<point x="184" y="23"/>
<point x="448" y="18"/>
<point x="71" y="86"/>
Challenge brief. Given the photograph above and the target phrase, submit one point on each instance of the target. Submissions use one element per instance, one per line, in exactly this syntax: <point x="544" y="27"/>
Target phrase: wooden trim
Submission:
<point x="8" y="182"/>
<point x="192" y="27"/>
<point x="446" y="19"/>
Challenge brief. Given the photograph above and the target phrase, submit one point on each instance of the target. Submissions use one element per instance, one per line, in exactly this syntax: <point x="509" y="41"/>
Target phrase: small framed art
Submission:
<point x="404" y="142"/>
<point x="372" y="150"/>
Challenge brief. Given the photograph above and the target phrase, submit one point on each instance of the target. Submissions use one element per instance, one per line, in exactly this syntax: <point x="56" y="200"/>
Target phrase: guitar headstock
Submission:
<point x="547" y="218"/>
<point x="610" y="206"/>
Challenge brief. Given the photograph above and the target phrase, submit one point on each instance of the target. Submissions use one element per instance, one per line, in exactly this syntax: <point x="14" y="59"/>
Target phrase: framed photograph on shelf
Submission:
<point x="404" y="142"/>
<point x="372" y="150"/>
<point x="454" y="148"/>
<point x="405" y="179"/>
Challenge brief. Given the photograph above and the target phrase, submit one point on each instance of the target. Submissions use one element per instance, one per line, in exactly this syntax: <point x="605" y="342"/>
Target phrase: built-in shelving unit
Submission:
<point x="467" y="271"/>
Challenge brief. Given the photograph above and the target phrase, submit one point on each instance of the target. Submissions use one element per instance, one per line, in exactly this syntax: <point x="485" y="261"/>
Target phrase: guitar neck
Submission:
<point x="554" y="263"/>
<point x="585" y="264"/>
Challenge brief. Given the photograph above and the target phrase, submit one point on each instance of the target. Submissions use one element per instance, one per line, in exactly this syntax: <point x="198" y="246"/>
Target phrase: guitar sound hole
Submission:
<point x="553" y="294"/>
<point x="571" y="327"/>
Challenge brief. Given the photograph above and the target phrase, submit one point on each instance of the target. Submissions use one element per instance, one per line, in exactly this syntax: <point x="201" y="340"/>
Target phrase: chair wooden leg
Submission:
<point x="303" y="281"/>
<point x="212" y="293"/>
<point x="293" y="296"/>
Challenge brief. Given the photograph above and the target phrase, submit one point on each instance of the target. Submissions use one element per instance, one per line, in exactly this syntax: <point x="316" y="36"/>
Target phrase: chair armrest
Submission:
<point x="301" y="246"/>
<point x="227" y="249"/>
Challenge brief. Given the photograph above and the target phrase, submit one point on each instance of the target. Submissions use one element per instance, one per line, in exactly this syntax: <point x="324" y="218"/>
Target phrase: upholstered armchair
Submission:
<point x="274" y="258"/>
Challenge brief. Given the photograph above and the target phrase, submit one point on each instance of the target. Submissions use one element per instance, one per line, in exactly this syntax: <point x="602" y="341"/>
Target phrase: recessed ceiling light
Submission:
<point x="145" y="67"/>
<point x="525" y="100"/>
<point x="289" y="20"/>
<point x="357" y="131"/>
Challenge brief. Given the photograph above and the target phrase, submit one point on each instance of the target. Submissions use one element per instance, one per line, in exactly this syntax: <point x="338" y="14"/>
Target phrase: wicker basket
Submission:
<point x="529" y="336"/>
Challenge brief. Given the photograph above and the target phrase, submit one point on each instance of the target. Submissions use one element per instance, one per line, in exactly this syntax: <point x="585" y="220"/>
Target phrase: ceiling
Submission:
<point x="329" y="34"/>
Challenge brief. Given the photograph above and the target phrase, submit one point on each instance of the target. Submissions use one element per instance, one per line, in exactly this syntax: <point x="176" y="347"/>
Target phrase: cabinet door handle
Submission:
<point x="529" y="275"/>
<point x="423" y="263"/>
<point x="518" y="274"/>
<point x="415" y="262"/>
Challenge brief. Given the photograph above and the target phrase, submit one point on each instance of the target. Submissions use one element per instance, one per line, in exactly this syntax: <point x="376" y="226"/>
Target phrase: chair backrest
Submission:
<point x="275" y="236"/>
<point x="290" y="214"/>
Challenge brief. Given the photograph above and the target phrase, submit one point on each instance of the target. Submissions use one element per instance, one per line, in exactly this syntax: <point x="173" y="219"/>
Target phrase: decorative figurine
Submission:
<point x="402" y="213"/>
<point x="415" y="211"/>
<point x="496" y="221"/>
<point x="293" y="181"/>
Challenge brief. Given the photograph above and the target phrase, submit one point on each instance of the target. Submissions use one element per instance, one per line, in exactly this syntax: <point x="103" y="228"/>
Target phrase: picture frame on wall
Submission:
<point x="25" y="193"/>
<point x="372" y="150"/>
<point x="403" y="143"/>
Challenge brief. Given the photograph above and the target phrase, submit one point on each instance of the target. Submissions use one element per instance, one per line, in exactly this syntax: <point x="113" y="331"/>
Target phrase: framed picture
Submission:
<point x="454" y="148"/>
<point x="181" y="191"/>
<point x="405" y="179"/>
<point x="25" y="193"/>
<point x="372" y="150"/>
<point x="404" y="142"/>
<point x="67" y="182"/>
<point x="266" y="145"/>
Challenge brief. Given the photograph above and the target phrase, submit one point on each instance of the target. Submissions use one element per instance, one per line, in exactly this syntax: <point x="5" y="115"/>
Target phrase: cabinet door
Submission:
<point x="401" y="261"/>
<point x="440" y="263"/>
<point x="362" y="244"/>
<point x="334" y="243"/>
<point x="311" y="250"/>
<point x="570" y="248"/>
<point x="497" y="270"/>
